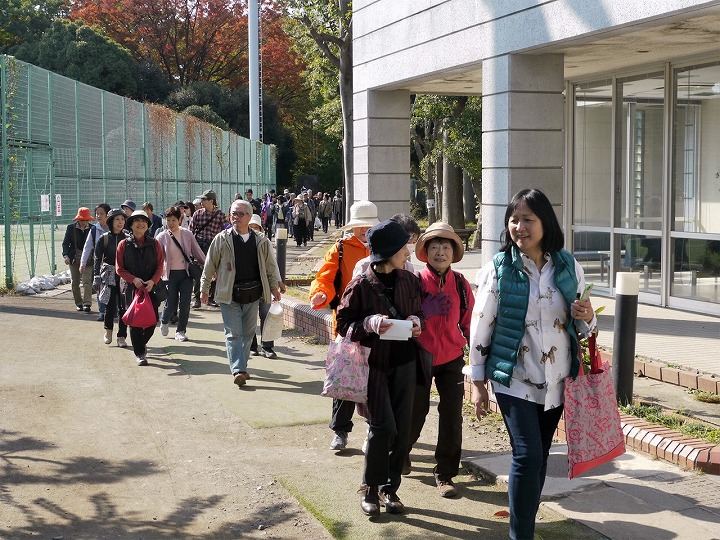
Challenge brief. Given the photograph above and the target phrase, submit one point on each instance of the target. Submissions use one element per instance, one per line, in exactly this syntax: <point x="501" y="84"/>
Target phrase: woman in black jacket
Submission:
<point x="75" y="236"/>
<point x="393" y="364"/>
<point x="105" y="279"/>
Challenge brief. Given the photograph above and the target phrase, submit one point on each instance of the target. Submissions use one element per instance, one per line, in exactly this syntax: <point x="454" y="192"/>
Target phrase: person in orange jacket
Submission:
<point x="327" y="288"/>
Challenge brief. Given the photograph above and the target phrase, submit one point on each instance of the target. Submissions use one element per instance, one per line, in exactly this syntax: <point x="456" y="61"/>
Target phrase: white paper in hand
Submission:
<point x="399" y="331"/>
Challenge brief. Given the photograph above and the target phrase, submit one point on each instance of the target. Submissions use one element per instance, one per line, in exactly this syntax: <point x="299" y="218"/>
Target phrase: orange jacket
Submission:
<point x="353" y="251"/>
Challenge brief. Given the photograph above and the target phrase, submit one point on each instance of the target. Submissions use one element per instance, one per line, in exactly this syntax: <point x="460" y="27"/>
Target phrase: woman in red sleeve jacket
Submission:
<point x="446" y="332"/>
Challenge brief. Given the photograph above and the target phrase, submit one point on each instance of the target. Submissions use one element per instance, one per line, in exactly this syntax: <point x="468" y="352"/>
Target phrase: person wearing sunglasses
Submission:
<point x="244" y="264"/>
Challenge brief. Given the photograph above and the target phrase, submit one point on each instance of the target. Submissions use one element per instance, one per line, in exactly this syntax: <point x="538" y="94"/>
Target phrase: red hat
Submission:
<point x="83" y="215"/>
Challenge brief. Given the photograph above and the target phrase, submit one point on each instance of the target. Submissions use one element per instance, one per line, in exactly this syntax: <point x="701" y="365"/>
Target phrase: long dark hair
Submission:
<point x="553" y="238"/>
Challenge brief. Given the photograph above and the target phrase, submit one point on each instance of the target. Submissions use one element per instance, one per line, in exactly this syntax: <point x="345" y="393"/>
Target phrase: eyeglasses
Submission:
<point x="240" y="214"/>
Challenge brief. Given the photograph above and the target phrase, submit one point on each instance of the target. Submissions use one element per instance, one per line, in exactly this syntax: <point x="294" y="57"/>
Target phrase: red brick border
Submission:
<point x="650" y="439"/>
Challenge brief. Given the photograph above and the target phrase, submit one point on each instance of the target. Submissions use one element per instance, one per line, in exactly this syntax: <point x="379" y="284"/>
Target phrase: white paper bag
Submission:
<point x="273" y="327"/>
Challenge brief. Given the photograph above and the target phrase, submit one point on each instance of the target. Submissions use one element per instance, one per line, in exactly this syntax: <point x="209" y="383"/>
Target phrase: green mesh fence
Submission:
<point x="66" y="144"/>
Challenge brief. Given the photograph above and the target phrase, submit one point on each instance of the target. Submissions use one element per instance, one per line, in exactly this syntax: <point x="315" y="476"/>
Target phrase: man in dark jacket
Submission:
<point x="75" y="236"/>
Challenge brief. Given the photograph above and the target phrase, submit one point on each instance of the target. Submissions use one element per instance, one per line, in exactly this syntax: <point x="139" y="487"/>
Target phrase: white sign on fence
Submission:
<point x="58" y="205"/>
<point x="45" y="203"/>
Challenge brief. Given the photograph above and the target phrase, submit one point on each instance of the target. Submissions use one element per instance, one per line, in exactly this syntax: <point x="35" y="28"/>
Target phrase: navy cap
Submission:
<point x="386" y="239"/>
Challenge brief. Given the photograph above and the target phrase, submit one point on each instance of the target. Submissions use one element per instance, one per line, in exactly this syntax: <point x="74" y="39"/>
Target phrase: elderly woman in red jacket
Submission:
<point x="385" y="291"/>
<point x="446" y="333"/>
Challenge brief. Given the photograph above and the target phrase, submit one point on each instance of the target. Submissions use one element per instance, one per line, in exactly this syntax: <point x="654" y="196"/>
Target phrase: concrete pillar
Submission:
<point x="381" y="153"/>
<point x="522" y="141"/>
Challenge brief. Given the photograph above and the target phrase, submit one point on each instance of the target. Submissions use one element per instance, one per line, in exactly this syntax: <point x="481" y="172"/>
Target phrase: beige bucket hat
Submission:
<point x="439" y="230"/>
<point x="362" y="214"/>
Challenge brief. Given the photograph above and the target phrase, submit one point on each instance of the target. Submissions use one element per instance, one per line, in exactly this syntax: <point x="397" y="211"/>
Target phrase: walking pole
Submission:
<point x="626" y="301"/>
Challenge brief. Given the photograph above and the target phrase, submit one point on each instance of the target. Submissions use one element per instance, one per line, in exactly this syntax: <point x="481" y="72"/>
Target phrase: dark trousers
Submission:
<point x="180" y="286"/>
<point x="116" y="304"/>
<point x="388" y="439"/>
<point x="264" y="309"/>
<point x="531" y="431"/>
<point x="301" y="232"/>
<point x="338" y="220"/>
<point x="449" y="383"/>
<point x="139" y="338"/>
<point x="342" y="413"/>
<point x="325" y="221"/>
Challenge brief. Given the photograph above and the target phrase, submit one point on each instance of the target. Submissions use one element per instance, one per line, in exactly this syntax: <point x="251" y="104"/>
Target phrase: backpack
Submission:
<point x="462" y="292"/>
<point x="335" y="302"/>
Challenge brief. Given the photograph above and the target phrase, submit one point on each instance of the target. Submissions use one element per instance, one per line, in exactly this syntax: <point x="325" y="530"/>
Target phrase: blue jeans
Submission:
<point x="531" y="431"/>
<point x="180" y="285"/>
<point x="239" y="321"/>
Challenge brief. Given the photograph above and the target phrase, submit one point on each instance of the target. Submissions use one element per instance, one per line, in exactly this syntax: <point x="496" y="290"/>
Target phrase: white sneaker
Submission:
<point x="108" y="337"/>
<point x="339" y="441"/>
<point x="121" y="342"/>
<point x="164" y="329"/>
<point x="180" y="336"/>
<point x="141" y="361"/>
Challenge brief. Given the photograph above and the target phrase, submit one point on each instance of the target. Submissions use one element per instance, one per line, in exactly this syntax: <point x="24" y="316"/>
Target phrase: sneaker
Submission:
<point x="141" y="361"/>
<point x="212" y="303"/>
<point x="108" y="337"/>
<point x="180" y="336"/>
<point x="100" y="317"/>
<point x="121" y="342"/>
<point x="164" y="329"/>
<point x="173" y="318"/>
<point x="268" y="352"/>
<point x="254" y="352"/>
<point x="79" y="307"/>
<point x="339" y="441"/>
<point x="446" y="487"/>
<point x="86" y="309"/>
<point x="196" y="304"/>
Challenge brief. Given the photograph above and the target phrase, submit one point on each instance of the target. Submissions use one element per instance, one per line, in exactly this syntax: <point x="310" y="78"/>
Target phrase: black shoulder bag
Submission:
<point x="194" y="267"/>
<point x="335" y="302"/>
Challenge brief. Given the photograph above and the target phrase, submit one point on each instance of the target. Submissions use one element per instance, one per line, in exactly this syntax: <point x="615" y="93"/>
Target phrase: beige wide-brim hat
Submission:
<point x="255" y="220"/>
<point x="439" y="230"/>
<point x="362" y="214"/>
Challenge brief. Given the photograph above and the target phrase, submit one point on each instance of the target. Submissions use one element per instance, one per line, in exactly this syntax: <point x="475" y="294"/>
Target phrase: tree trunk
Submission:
<point x="477" y="188"/>
<point x="431" y="200"/>
<point x="346" y="104"/>
<point x="469" y="205"/>
<point x="439" y="188"/>
<point x="452" y="202"/>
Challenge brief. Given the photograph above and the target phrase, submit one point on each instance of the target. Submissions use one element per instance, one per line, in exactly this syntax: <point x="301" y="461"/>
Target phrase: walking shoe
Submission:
<point x="86" y="309"/>
<point x="446" y="487"/>
<point x="239" y="379"/>
<point x="173" y="318"/>
<point x="163" y="329"/>
<point x="407" y="467"/>
<point x="79" y="307"/>
<point x="180" y="336"/>
<point x="267" y="352"/>
<point x="108" y="337"/>
<point x="213" y="303"/>
<point x="141" y="361"/>
<point x="121" y="342"/>
<point x="370" y="502"/>
<point x="391" y="502"/>
<point x="339" y="440"/>
<point x="100" y="317"/>
<point x="196" y="304"/>
<point x="254" y="352"/>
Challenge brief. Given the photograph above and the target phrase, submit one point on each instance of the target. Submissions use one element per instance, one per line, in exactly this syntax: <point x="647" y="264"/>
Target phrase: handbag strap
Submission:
<point x="384" y="298"/>
<point x="179" y="246"/>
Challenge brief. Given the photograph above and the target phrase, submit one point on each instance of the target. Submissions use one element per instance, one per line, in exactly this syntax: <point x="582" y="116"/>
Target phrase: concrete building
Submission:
<point x="611" y="107"/>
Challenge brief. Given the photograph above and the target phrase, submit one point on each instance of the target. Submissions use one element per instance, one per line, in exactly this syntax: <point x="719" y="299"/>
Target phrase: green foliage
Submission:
<point x="23" y="21"/>
<point x="679" y="423"/>
<point x="82" y="53"/>
<point x="204" y="112"/>
<point x="152" y="84"/>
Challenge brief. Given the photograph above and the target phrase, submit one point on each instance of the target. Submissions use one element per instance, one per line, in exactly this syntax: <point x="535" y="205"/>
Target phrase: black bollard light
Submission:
<point x="281" y="236"/>
<point x="627" y="289"/>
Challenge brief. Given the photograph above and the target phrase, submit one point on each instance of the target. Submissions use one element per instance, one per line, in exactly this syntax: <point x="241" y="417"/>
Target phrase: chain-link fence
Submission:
<point x="66" y="144"/>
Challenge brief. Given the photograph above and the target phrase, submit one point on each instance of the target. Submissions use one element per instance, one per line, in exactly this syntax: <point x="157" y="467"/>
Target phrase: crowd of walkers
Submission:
<point x="367" y="281"/>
